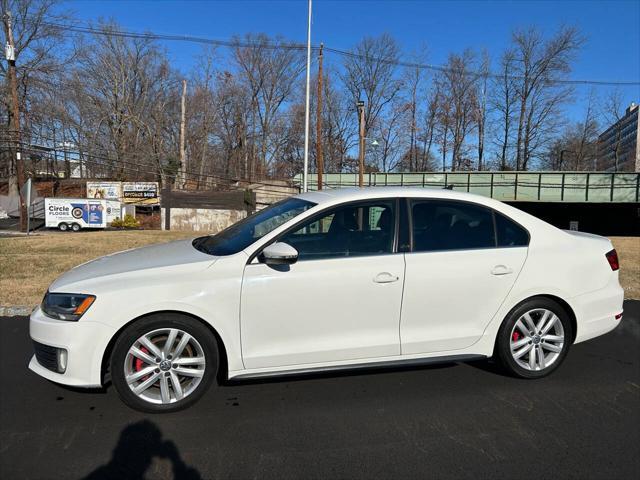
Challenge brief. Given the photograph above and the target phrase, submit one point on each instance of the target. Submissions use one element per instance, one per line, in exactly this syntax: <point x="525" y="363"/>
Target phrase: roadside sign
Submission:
<point x="140" y="193"/>
<point x="26" y="197"/>
<point x="26" y="192"/>
<point x="106" y="190"/>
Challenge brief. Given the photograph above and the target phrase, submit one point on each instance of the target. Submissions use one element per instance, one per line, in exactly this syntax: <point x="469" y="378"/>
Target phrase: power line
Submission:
<point x="123" y="165"/>
<point x="236" y="43"/>
<point x="83" y="149"/>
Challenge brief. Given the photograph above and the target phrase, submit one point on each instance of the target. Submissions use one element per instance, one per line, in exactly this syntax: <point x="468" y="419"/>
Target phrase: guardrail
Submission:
<point x="580" y="187"/>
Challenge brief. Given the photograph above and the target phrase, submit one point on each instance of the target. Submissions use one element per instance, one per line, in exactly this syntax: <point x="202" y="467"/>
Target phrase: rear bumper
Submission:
<point x="85" y="343"/>
<point x="596" y="311"/>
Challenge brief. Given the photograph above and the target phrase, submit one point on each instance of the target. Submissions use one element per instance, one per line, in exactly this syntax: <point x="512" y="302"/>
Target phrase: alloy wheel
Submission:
<point x="164" y="366"/>
<point x="537" y="339"/>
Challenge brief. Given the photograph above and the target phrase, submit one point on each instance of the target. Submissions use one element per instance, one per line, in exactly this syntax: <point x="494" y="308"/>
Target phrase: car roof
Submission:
<point x="340" y="195"/>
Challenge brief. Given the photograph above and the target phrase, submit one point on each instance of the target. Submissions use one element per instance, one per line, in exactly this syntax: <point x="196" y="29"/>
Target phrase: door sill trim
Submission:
<point x="411" y="362"/>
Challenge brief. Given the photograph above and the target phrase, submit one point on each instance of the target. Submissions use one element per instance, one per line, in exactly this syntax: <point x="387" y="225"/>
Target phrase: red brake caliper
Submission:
<point x="138" y="363"/>
<point x="516" y="336"/>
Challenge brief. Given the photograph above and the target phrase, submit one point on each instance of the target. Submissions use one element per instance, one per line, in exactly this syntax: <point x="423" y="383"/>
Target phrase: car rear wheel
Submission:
<point x="535" y="338"/>
<point x="63" y="227"/>
<point x="75" y="227"/>
<point x="164" y="363"/>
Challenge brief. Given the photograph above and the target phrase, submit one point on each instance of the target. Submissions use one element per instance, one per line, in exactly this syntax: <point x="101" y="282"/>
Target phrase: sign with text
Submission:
<point x="106" y="190"/>
<point x="145" y="193"/>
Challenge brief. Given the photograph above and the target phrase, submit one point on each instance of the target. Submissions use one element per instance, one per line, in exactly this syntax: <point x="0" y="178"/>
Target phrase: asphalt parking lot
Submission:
<point x="453" y="420"/>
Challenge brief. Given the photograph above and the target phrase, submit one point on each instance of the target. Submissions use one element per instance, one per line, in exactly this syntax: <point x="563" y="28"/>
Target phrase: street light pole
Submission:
<point x="360" y="105"/>
<point x="305" y="173"/>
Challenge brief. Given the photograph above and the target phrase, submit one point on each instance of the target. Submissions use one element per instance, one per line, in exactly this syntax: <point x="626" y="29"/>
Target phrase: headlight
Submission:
<point x="66" y="306"/>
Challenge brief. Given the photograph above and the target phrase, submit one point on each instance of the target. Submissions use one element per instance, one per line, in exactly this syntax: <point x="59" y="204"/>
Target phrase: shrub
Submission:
<point x="129" y="221"/>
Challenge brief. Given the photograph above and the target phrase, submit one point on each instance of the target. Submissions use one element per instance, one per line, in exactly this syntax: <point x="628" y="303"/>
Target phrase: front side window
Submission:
<point x="346" y="231"/>
<point x="242" y="234"/>
<point x="447" y="225"/>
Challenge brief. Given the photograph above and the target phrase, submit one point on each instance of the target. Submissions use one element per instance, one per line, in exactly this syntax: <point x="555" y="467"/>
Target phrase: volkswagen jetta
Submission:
<point x="329" y="280"/>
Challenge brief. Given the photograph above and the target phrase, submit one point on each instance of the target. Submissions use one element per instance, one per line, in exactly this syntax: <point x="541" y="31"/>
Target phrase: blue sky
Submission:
<point x="611" y="28"/>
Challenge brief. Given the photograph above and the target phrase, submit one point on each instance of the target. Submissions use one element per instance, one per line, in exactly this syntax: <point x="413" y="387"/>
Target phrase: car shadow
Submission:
<point x="490" y="366"/>
<point x="139" y="444"/>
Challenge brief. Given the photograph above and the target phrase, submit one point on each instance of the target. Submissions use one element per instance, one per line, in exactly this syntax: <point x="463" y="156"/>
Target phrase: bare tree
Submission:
<point x="430" y="121"/>
<point x="38" y="58"/>
<point x="339" y="129"/>
<point x="457" y="83"/>
<point x="481" y="104"/>
<point x="504" y="103"/>
<point x="271" y="72"/>
<point x="413" y="78"/>
<point x="613" y="111"/>
<point x="389" y="134"/>
<point x="126" y="95"/>
<point x="538" y="64"/>
<point x="586" y="138"/>
<point x="370" y="75"/>
<point x="576" y="148"/>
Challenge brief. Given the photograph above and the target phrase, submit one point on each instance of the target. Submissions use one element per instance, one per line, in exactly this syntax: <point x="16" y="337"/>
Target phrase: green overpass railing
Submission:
<point x="505" y="186"/>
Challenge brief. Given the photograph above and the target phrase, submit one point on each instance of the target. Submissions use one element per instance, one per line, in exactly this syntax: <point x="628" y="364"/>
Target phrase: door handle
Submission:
<point x="501" y="270"/>
<point x="386" y="277"/>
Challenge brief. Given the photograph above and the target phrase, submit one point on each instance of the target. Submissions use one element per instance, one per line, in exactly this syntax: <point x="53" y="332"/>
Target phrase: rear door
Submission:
<point x="463" y="262"/>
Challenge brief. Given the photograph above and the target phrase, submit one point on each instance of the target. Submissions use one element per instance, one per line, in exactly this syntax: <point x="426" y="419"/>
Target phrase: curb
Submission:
<point x="15" y="311"/>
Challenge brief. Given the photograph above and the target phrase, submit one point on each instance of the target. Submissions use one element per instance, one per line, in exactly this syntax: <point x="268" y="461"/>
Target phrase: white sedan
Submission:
<point x="325" y="281"/>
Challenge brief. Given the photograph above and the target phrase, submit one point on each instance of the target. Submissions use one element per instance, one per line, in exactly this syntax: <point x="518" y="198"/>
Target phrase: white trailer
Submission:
<point x="114" y="210"/>
<point x="75" y="213"/>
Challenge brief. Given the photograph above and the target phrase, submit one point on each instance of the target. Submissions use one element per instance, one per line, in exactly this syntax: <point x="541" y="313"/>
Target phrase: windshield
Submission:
<point x="240" y="235"/>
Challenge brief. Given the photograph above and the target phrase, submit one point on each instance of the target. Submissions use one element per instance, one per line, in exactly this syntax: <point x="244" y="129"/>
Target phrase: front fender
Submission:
<point x="227" y="331"/>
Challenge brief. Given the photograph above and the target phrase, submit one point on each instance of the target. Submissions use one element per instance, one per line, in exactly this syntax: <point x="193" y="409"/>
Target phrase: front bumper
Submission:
<point x="85" y="342"/>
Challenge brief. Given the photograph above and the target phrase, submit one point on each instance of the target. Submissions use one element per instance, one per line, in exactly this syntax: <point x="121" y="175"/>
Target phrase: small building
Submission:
<point x="619" y="145"/>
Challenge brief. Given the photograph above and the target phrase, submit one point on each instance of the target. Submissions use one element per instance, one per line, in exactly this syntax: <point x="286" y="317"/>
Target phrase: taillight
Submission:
<point x="612" y="257"/>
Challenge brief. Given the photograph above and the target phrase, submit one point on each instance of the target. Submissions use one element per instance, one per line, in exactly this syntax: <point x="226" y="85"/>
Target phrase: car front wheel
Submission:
<point x="535" y="338"/>
<point x="164" y="363"/>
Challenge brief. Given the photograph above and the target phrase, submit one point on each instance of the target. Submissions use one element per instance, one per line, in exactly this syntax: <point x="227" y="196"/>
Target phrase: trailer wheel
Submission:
<point x="75" y="227"/>
<point x="63" y="227"/>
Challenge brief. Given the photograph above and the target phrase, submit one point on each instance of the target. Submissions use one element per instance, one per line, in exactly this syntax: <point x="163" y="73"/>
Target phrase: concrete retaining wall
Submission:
<point x="202" y="219"/>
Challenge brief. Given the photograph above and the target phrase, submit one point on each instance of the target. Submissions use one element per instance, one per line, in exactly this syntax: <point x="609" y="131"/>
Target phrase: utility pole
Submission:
<point x="183" y="161"/>
<point x="319" y="157"/>
<point x="360" y="105"/>
<point x="305" y="166"/>
<point x="16" y="159"/>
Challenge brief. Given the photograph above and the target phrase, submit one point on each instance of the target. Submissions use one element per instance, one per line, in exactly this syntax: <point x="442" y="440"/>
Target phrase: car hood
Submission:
<point x="173" y="254"/>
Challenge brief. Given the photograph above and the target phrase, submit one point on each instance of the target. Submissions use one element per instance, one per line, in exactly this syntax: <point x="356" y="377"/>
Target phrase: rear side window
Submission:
<point x="510" y="234"/>
<point x="446" y="225"/>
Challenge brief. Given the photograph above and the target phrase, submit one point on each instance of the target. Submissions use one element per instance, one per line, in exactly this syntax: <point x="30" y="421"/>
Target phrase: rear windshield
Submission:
<point x="240" y="235"/>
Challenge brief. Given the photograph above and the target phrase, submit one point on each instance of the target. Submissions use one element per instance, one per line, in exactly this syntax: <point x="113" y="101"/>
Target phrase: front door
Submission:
<point x="339" y="302"/>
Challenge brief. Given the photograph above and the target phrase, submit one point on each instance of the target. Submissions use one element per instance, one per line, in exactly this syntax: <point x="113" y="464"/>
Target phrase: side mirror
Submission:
<point x="279" y="253"/>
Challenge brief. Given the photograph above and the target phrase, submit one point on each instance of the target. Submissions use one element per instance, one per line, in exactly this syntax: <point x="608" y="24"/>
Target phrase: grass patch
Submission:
<point x="628" y="249"/>
<point x="30" y="264"/>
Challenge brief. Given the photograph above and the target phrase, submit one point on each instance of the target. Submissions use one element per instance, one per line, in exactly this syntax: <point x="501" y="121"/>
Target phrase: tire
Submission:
<point x="157" y="388"/>
<point x="75" y="227"/>
<point x="63" y="227"/>
<point x="522" y="345"/>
